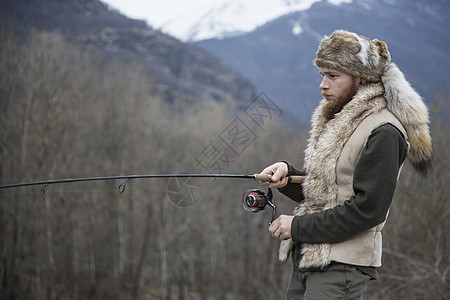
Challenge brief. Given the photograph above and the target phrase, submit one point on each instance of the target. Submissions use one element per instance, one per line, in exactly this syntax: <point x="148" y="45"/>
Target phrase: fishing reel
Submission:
<point x="255" y="200"/>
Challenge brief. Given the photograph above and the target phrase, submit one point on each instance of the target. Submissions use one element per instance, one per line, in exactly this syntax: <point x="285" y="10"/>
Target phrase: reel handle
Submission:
<point x="291" y="179"/>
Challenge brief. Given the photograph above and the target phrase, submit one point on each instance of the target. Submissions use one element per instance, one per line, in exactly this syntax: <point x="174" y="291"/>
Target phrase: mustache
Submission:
<point x="323" y="93"/>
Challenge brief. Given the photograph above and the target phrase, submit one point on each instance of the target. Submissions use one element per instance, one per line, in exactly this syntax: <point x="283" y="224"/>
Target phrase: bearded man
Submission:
<point x="368" y="123"/>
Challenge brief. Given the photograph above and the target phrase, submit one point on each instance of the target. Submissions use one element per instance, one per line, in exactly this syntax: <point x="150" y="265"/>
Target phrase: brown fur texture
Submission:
<point x="407" y="105"/>
<point x="353" y="54"/>
<point x="383" y="49"/>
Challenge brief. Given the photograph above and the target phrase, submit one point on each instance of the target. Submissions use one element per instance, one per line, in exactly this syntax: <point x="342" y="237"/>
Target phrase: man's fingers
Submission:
<point x="277" y="170"/>
<point x="277" y="175"/>
<point x="275" y="229"/>
<point x="281" y="227"/>
<point x="279" y="183"/>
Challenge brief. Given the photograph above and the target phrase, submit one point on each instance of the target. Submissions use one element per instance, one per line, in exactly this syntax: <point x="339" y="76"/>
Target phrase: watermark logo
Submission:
<point x="238" y="136"/>
<point x="184" y="192"/>
<point x="261" y="110"/>
<point x="224" y="150"/>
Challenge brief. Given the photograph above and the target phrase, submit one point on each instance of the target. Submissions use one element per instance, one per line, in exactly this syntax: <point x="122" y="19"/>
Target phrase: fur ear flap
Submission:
<point x="383" y="49"/>
<point x="407" y="105"/>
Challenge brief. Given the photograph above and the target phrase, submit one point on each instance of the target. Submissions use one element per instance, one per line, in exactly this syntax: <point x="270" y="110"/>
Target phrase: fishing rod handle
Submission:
<point x="296" y="179"/>
<point x="291" y="179"/>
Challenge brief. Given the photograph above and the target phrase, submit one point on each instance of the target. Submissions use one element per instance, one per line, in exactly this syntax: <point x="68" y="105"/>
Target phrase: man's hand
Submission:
<point x="278" y="171"/>
<point x="281" y="227"/>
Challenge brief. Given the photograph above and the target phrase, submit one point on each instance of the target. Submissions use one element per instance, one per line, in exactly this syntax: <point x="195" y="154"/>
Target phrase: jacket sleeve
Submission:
<point x="374" y="183"/>
<point x="294" y="191"/>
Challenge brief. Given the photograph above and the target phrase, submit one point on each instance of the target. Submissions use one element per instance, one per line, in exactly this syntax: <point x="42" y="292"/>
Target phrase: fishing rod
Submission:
<point x="260" y="177"/>
<point x="253" y="200"/>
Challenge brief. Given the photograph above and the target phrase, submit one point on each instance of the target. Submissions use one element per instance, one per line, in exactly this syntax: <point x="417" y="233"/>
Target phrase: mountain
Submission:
<point x="225" y="18"/>
<point x="180" y="70"/>
<point x="277" y="57"/>
<point x="205" y="19"/>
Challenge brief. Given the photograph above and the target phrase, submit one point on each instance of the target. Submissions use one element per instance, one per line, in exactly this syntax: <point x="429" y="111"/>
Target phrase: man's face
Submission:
<point x="338" y="89"/>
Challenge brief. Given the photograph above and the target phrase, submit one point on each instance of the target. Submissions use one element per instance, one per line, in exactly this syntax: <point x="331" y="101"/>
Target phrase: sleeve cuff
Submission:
<point x="295" y="235"/>
<point x="292" y="170"/>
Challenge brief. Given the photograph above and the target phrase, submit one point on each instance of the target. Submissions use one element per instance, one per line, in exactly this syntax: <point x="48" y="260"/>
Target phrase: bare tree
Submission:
<point x="67" y="112"/>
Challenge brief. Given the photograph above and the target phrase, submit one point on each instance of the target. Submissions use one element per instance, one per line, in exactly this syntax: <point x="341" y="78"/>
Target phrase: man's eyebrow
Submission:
<point x="328" y="72"/>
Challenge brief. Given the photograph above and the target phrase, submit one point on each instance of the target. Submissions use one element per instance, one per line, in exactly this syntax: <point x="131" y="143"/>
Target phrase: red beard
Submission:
<point x="335" y="105"/>
<point x="331" y="108"/>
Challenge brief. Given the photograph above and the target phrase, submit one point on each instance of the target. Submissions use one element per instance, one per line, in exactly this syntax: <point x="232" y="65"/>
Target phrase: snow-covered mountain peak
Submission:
<point x="224" y="18"/>
<point x="206" y="19"/>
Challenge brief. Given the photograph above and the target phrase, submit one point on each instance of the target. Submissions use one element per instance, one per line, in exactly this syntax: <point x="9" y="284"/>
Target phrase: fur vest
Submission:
<point x="327" y="141"/>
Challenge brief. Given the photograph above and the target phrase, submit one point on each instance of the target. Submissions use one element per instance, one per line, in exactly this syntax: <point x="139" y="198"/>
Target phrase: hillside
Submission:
<point x="180" y="70"/>
<point x="277" y="57"/>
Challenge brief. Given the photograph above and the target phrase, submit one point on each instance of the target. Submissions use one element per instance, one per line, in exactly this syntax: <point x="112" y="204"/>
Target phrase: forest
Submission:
<point x="68" y="112"/>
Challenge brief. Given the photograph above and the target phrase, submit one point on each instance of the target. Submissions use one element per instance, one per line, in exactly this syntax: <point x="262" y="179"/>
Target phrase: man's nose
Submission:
<point x="323" y="84"/>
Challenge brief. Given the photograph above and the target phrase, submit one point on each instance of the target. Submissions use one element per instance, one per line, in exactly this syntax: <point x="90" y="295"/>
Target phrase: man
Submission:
<point x="368" y="123"/>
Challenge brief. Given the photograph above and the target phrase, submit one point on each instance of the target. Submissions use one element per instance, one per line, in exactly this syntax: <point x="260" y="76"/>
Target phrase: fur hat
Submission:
<point x="367" y="59"/>
<point x="353" y="54"/>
